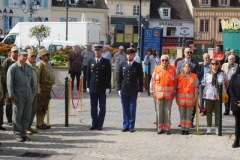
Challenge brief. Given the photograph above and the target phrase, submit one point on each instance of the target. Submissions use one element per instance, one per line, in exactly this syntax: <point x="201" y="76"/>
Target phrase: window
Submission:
<point x="93" y="20"/>
<point x="171" y="31"/>
<point x="119" y="9"/>
<point x="70" y="19"/>
<point x="224" y="2"/>
<point x="135" y="10"/>
<point x="204" y="25"/>
<point x="10" y="39"/>
<point x="135" y="34"/>
<point x="204" y="1"/>
<point x="14" y="3"/>
<point x="165" y="13"/>
<point x="119" y="32"/>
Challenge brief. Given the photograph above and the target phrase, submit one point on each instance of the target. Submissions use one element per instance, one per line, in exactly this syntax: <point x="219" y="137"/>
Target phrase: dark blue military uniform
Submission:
<point x="130" y="83"/>
<point x="98" y="80"/>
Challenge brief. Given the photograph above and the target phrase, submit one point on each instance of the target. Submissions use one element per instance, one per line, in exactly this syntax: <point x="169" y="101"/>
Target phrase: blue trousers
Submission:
<point x="129" y="104"/>
<point x="98" y="117"/>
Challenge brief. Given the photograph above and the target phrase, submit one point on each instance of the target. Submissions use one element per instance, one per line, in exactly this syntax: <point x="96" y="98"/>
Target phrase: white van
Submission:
<point x="53" y="45"/>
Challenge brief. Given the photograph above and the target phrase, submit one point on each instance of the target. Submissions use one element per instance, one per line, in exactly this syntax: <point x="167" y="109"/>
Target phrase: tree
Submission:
<point x="40" y="32"/>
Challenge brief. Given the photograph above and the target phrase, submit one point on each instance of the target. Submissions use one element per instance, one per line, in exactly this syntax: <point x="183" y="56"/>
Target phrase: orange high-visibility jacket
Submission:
<point x="164" y="82"/>
<point x="186" y="90"/>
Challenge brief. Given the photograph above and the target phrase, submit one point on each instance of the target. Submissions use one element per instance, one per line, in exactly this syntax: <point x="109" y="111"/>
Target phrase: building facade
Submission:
<point x="55" y="10"/>
<point x="175" y="19"/>
<point x="123" y="20"/>
<point x="207" y="16"/>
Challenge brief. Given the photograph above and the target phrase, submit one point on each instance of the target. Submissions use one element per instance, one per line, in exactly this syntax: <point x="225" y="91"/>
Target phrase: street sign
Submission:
<point x="152" y="38"/>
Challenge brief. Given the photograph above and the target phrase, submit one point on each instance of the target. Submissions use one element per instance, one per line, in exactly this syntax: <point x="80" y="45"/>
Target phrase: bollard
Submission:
<point x="66" y="101"/>
<point x="220" y="110"/>
<point x="149" y="76"/>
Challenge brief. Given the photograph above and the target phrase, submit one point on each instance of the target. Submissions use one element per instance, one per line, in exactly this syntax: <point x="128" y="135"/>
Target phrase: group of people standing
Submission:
<point x="129" y="84"/>
<point x="183" y="83"/>
<point x="26" y="87"/>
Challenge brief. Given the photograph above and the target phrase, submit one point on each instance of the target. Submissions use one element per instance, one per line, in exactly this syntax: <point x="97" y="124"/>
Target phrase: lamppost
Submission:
<point x="66" y="4"/>
<point x="4" y="16"/>
<point x="139" y="29"/>
<point x="33" y="8"/>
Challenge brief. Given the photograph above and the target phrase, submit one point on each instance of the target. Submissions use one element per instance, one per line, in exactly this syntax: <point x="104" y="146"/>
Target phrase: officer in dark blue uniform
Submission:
<point x="98" y="85"/>
<point x="130" y="86"/>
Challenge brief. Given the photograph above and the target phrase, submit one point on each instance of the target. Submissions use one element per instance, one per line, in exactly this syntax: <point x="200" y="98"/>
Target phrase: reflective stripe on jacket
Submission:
<point x="186" y="90"/>
<point x="164" y="82"/>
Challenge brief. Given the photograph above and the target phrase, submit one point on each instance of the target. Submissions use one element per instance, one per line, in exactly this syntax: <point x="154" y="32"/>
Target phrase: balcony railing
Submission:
<point x="121" y="13"/>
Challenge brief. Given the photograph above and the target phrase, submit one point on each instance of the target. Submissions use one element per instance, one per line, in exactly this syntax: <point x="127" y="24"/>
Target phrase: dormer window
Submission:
<point x="165" y="13"/>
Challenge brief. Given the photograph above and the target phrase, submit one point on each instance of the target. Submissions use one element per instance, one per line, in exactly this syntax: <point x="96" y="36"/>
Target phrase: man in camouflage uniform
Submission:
<point x="46" y="81"/>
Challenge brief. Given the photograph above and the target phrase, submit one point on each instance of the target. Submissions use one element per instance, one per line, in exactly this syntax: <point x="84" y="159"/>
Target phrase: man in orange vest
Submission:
<point x="163" y="88"/>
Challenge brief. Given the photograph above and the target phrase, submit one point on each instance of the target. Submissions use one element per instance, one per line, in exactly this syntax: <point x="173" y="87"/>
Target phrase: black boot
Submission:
<point x="235" y="144"/>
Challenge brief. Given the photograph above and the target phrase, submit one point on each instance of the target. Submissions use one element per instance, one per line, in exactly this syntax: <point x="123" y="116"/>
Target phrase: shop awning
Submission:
<point x="126" y="21"/>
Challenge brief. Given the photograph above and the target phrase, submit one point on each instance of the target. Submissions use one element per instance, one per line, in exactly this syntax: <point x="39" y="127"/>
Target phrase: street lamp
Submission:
<point x="4" y="16"/>
<point x="33" y="7"/>
<point x="66" y="4"/>
<point x="139" y="29"/>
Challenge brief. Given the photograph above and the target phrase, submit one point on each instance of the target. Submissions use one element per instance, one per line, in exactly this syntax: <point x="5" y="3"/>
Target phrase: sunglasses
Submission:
<point x="214" y="64"/>
<point x="33" y="56"/>
<point x="166" y="60"/>
<point x="189" y="52"/>
<point x="25" y="55"/>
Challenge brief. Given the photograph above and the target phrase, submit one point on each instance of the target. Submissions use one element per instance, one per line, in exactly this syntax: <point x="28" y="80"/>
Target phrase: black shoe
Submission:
<point x="125" y="130"/>
<point x="235" y="144"/>
<point x="3" y="129"/>
<point x="182" y="132"/>
<point x="132" y="130"/>
<point x="47" y="126"/>
<point x="26" y="139"/>
<point x="160" y="132"/>
<point x="41" y="127"/>
<point x="226" y="113"/>
<point x="99" y="128"/>
<point x="93" y="128"/>
<point x="167" y="132"/>
<point x="186" y="132"/>
<point x="179" y="125"/>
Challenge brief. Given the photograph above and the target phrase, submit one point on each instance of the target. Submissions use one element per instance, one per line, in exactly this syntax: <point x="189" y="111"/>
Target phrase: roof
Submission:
<point x="179" y="9"/>
<point x="100" y="4"/>
<point x="233" y="3"/>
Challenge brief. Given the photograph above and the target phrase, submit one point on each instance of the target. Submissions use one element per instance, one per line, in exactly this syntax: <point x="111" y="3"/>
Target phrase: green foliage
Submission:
<point x="173" y="52"/>
<point x="40" y="32"/>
